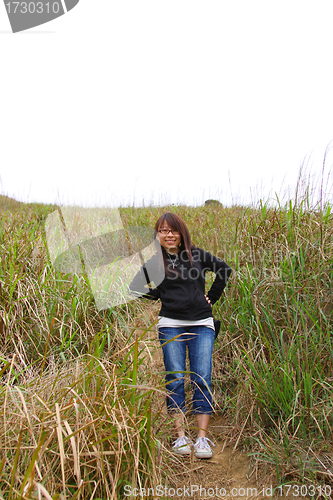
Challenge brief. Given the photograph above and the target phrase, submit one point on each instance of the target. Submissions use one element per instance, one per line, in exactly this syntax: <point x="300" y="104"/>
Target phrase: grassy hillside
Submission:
<point x="82" y="415"/>
<point x="8" y="203"/>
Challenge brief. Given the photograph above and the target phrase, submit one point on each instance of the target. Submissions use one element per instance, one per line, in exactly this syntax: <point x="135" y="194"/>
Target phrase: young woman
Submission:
<point x="185" y="321"/>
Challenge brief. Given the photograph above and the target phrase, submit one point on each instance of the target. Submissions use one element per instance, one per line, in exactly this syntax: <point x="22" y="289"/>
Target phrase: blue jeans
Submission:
<point x="200" y="349"/>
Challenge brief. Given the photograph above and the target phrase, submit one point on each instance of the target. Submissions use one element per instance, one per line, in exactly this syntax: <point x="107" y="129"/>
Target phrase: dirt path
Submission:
<point x="228" y="474"/>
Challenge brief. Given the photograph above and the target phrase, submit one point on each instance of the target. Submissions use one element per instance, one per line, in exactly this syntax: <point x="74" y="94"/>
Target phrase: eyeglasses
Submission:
<point x="167" y="231"/>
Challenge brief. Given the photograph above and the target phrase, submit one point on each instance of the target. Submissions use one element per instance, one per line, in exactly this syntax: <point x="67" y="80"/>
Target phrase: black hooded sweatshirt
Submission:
<point x="182" y="289"/>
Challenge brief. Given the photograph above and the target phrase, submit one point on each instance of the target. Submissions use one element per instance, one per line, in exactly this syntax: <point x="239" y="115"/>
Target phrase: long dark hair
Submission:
<point x="175" y="222"/>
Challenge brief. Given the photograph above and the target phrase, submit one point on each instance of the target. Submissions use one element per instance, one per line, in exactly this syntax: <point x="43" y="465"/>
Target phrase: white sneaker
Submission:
<point x="202" y="448"/>
<point x="182" y="446"/>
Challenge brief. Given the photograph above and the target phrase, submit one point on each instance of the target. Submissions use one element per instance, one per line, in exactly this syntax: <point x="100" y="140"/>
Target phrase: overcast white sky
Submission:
<point x="132" y="101"/>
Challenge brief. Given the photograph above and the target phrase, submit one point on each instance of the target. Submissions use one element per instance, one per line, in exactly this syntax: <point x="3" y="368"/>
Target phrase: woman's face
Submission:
<point x="168" y="240"/>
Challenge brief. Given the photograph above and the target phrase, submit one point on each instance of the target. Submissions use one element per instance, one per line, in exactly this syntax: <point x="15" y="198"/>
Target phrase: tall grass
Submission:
<point x="82" y="412"/>
<point x="84" y="430"/>
<point x="279" y="308"/>
<point x="76" y="417"/>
